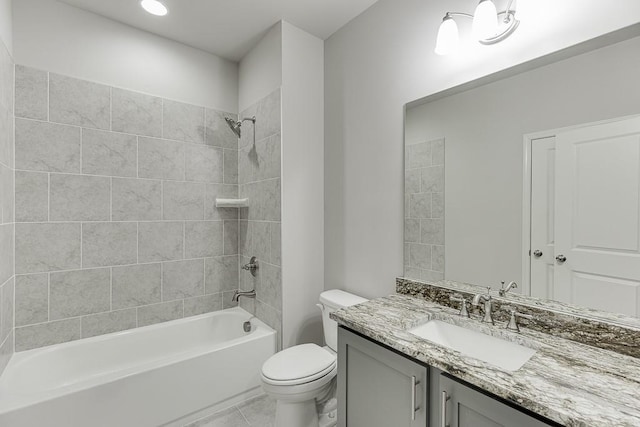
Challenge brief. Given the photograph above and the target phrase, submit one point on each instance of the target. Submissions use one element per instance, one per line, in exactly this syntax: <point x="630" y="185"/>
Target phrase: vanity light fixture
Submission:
<point x="154" y="7"/>
<point x="489" y="26"/>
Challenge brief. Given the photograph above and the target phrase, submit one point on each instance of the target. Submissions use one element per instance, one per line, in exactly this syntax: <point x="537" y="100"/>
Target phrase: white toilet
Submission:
<point x="298" y="376"/>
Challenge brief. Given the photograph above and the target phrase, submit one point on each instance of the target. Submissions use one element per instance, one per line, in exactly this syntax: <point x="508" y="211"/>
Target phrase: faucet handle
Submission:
<point x="464" y="311"/>
<point x="513" y="319"/>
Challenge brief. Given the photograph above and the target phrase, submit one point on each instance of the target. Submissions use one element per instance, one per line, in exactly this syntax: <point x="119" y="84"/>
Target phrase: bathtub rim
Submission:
<point x="22" y="401"/>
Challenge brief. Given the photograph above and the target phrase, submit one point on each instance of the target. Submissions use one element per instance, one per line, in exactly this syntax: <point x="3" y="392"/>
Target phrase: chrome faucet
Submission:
<point x="487" y="302"/>
<point x="503" y="291"/>
<point x="238" y="293"/>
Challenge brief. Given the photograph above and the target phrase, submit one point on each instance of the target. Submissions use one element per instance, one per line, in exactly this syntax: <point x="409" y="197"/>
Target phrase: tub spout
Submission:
<point x="248" y="294"/>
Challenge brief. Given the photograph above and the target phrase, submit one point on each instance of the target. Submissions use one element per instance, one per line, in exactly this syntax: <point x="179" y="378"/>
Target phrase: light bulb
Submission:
<point x="154" y="7"/>
<point x="485" y="20"/>
<point x="447" y="40"/>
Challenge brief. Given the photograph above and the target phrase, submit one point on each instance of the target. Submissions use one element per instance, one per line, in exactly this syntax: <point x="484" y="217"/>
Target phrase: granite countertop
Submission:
<point x="570" y="383"/>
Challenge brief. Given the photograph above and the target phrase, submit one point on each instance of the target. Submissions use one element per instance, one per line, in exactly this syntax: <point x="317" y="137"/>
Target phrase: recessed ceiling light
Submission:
<point x="154" y="7"/>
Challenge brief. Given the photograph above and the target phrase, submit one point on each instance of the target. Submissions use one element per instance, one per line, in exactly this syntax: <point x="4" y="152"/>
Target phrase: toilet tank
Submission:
<point x="331" y="301"/>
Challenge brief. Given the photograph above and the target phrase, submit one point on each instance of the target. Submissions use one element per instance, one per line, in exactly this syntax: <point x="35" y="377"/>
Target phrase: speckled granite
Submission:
<point x="615" y="332"/>
<point x="565" y="381"/>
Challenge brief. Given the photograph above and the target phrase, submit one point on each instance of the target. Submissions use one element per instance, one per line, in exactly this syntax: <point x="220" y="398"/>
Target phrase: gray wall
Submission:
<point x="116" y="222"/>
<point x="375" y="64"/>
<point x="259" y="175"/>
<point x="6" y="207"/>
<point x="484" y="129"/>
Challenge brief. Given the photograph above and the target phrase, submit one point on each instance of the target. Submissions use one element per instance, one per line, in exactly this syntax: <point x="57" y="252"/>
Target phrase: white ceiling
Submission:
<point x="229" y="28"/>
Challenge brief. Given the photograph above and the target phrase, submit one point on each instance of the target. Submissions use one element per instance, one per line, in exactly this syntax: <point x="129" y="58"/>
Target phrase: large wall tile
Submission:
<point x="136" y="200"/>
<point x="109" y="153"/>
<point x="6" y="137"/>
<point x="183" y="122"/>
<point x="432" y="179"/>
<point x="157" y="313"/>
<point x="265" y="200"/>
<point x="418" y="155"/>
<point x="136" y="113"/>
<point x="420" y="256"/>
<point x="47" y="147"/>
<point x="437" y="258"/>
<point x="182" y="279"/>
<point x="136" y="285"/>
<point x="80" y="292"/>
<point x="271" y="317"/>
<point x="32" y="299"/>
<point x="159" y="158"/>
<point x="29" y="337"/>
<point x="231" y="230"/>
<point x="203" y="239"/>
<point x="276" y="243"/>
<point x="47" y="247"/>
<point x="230" y="167"/>
<point x="255" y="239"/>
<point x="203" y="163"/>
<point x="7" y="297"/>
<point x="420" y="205"/>
<point x="268" y="116"/>
<point x="183" y="200"/>
<point x="6" y="252"/>
<point x="262" y="161"/>
<point x="217" y="132"/>
<point x="7" y="196"/>
<point x="160" y="241"/>
<point x="79" y="102"/>
<point x="431" y="231"/>
<point x="31" y="93"/>
<point x="203" y="304"/>
<point x="269" y="287"/>
<point x="79" y="198"/>
<point x="106" y="323"/>
<point x="109" y="243"/>
<point x="32" y="196"/>
<point x="221" y="274"/>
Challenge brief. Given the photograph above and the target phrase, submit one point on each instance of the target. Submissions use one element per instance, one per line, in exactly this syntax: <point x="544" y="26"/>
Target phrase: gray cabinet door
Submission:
<point x="466" y="407"/>
<point x="377" y="387"/>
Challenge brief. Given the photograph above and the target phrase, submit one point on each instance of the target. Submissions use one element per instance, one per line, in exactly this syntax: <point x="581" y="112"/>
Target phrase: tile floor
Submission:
<point x="259" y="411"/>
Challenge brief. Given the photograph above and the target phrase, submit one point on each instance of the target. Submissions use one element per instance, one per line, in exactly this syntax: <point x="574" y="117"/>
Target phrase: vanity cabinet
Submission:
<point x="466" y="407"/>
<point x="378" y="387"/>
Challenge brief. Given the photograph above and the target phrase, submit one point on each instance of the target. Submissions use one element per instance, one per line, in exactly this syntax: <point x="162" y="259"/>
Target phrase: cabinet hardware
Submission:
<point x="414" y="409"/>
<point x="443" y="410"/>
<point x="561" y="259"/>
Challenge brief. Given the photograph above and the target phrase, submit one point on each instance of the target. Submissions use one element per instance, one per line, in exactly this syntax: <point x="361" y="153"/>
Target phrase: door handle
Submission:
<point x="443" y="410"/>
<point x="414" y="384"/>
<point x="561" y="259"/>
<point x="537" y="253"/>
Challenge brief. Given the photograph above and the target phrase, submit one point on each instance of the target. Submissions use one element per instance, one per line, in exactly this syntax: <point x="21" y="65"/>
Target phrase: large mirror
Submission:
<point x="532" y="176"/>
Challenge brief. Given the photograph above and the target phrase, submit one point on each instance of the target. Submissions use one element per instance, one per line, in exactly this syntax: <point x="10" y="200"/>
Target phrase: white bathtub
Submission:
<point x="163" y="374"/>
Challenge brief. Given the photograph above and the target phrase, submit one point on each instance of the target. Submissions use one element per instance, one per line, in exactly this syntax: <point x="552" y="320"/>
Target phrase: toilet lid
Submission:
<point x="301" y="362"/>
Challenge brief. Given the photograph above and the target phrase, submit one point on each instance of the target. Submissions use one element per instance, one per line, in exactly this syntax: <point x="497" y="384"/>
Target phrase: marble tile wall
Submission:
<point x="7" y="208"/>
<point x="259" y="177"/>
<point x="116" y="224"/>
<point x="424" y="211"/>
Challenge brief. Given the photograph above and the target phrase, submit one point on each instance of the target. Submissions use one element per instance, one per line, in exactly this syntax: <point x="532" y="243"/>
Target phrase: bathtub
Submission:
<point x="160" y="375"/>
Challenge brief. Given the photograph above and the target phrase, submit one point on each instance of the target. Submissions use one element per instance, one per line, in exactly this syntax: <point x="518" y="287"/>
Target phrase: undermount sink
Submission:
<point x="498" y="352"/>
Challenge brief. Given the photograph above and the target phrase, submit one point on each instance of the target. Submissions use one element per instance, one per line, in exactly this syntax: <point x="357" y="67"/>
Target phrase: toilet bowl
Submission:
<point x="302" y="376"/>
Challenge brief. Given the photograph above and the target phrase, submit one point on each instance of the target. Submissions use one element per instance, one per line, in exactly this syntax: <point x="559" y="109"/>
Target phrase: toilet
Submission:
<point x="302" y="376"/>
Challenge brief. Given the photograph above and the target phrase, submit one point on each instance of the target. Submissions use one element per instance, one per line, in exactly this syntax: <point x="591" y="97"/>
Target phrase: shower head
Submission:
<point x="236" y="125"/>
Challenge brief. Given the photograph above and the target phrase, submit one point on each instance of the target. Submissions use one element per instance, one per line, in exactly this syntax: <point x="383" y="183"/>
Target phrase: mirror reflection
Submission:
<point x="532" y="178"/>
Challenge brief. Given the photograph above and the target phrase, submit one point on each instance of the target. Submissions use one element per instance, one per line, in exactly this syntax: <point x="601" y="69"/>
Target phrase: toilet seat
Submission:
<point x="298" y="365"/>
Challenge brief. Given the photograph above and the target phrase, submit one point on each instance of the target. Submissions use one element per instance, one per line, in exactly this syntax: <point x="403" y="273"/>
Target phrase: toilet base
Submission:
<point x="302" y="414"/>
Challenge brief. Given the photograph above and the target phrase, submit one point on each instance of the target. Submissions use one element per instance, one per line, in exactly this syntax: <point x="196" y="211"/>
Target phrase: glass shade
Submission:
<point x="485" y="20"/>
<point x="447" y="40"/>
<point x="154" y="7"/>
